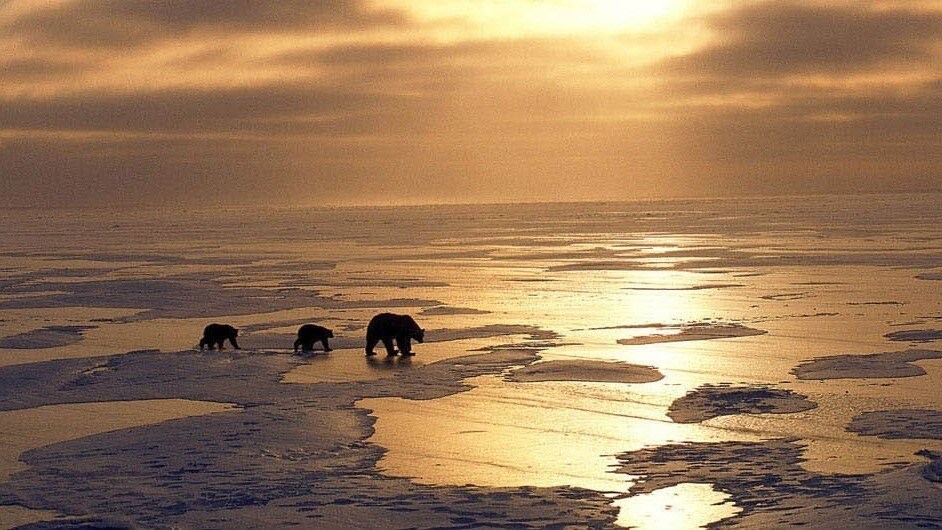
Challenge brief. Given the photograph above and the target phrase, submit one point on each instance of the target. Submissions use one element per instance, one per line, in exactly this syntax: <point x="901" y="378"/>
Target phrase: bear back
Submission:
<point x="314" y="331"/>
<point x="220" y="330"/>
<point x="392" y="325"/>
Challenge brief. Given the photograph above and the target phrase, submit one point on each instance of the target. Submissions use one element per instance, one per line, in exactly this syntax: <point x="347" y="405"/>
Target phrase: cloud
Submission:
<point x="338" y="100"/>
<point x="23" y="69"/>
<point x="810" y="87"/>
<point x="124" y="23"/>
<point x="246" y="109"/>
<point x="788" y="38"/>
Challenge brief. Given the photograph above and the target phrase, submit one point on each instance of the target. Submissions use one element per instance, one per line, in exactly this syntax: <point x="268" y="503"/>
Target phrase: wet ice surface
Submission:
<point x="916" y="335"/>
<point x="47" y="337"/>
<point x="31" y="428"/>
<point x="711" y="401"/>
<point x="869" y="366"/>
<point x="295" y="454"/>
<point x="445" y="310"/>
<point x="906" y="423"/>
<point x="773" y="491"/>
<point x="590" y="371"/>
<point x="696" y="331"/>
<point x="652" y="365"/>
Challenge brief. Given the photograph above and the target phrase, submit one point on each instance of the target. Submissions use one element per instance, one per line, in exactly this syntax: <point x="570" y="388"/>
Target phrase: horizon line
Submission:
<point x="383" y="205"/>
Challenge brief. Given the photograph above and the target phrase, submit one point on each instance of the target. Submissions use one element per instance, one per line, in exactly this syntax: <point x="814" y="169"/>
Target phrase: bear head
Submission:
<point x="418" y="335"/>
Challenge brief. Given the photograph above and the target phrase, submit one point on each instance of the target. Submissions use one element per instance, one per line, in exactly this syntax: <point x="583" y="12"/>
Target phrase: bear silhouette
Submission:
<point x="308" y="334"/>
<point x="387" y="327"/>
<point x="214" y="334"/>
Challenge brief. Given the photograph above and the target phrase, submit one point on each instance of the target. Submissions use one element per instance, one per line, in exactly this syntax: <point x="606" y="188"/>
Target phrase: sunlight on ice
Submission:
<point x="681" y="507"/>
<point x="504" y="434"/>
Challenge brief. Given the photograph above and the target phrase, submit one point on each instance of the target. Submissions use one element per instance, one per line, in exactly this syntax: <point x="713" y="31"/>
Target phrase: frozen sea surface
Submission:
<point x="752" y="363"/>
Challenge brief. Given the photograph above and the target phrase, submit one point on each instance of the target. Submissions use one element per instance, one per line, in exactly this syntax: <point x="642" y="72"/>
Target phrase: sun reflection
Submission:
<point x="580" y="302"/>
<point x="504" y="434"/>
<point x="685" y="506"/>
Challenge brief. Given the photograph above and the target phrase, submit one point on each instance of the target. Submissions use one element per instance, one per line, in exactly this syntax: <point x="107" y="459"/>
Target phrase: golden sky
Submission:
<point x="112" y="102"/>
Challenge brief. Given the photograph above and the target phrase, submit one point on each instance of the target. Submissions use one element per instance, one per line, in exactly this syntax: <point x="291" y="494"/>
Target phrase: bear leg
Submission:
<point x="390" y="350"/>
<point x="326" y="345"/>
<point x="405" y="346"/>
<point x="370" y="344"/>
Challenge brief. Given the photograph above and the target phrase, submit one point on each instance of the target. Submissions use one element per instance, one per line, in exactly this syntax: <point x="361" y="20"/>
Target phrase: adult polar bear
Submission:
<point x="387" y="327"/>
